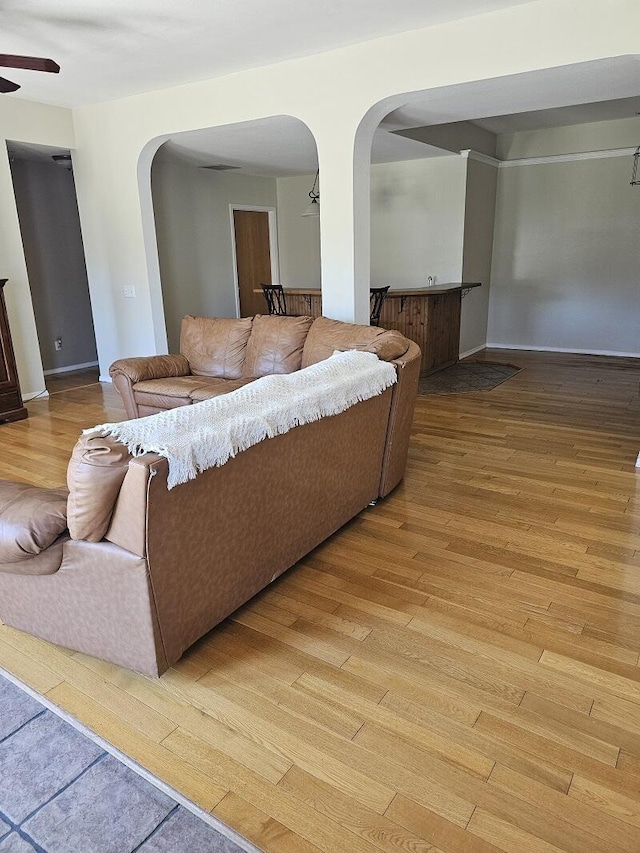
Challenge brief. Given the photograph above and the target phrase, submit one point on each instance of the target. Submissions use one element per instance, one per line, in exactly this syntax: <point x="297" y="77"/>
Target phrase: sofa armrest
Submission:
<point x="127" y="371"/>
<point x="400" y="418"/>
<point x="31" y="519"/>
<point x="150" y="367"/>
<point x="128" y="527"/>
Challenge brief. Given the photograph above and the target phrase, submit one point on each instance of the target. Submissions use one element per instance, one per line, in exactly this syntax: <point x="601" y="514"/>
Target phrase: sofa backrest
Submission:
<point x="215" y="346"/>
<point x="275" y="344"/>
<point x="265" y="344"/>
<point x="325" y="336"/>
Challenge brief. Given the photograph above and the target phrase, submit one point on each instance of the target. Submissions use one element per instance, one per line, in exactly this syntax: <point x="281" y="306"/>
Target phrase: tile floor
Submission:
<point x="466" y="376"/>
<point x="62" y="793"/>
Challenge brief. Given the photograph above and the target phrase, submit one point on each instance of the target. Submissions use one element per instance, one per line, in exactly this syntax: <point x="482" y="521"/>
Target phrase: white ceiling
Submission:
<point x="276" y="147"/>
<point x="590" y="91"/>
<point x="108" y="50"/>
<point x="127" y="46"/>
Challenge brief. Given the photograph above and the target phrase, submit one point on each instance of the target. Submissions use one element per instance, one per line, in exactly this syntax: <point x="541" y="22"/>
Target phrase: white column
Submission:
<point x="344" y="162"/>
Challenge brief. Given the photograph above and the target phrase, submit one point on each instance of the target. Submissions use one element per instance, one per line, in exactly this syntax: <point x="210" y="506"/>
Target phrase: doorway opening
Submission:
<point x="215" y="194"/>
<point x="254" y="236"/>
<point x="47" y="208"/>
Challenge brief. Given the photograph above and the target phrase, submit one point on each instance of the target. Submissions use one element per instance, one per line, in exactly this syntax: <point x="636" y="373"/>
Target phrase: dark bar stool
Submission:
<point x="274" y="294"/>
<point x="377" y="295"/>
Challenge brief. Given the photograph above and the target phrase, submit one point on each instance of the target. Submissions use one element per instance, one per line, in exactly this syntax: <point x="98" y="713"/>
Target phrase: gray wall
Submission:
<point x="566" y="260"/>
<point x="594" y="136"/>
<point x="193" y="231"/>
<point x="54" y="254"/>
<point x="417" y="221"/>
<point x="479" y="213"/>
<point x="428" y="217"/>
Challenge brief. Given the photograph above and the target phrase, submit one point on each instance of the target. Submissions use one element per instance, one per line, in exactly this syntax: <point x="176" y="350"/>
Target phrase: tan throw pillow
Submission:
<point x="275" y="345"/>
<point x="96" y="470"/>
<point x="31" y="519"/>
<point x="215" y="346"/>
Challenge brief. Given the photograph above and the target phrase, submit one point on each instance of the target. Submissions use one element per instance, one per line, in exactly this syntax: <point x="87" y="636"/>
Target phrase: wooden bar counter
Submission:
<point x="430" y="317"/>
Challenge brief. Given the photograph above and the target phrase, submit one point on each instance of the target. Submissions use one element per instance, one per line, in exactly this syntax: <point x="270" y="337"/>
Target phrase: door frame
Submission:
<point x="273" y="245"/>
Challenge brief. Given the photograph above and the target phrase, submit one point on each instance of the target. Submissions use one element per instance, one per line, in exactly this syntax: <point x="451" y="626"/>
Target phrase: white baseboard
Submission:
<point x="472" y="351"/>
<point x="70" y="367"/>
<point x="610" y="352"/>
<point x="31" y="395"/>
<point x="105" y="378"/>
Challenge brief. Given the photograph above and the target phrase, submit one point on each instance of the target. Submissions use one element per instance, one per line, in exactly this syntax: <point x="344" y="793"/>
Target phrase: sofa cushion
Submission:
<point x="47" y="562"/>
<point x="275" y="345"/>
<point x="31" y="519"/>
<point x="215" y="346"/>
<point x="177" y="386"/>
<point x="157" y="402"/>
<point x="325" y="336"/>
<point x="215" y="387"/>
<point x="95" y="474"/>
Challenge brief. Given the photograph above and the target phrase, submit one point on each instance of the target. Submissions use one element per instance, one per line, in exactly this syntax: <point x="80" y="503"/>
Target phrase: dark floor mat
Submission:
<point x="467" y="376"/>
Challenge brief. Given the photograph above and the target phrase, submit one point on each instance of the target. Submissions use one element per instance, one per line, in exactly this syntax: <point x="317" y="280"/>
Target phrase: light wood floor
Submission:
<point x="455" y="671"/>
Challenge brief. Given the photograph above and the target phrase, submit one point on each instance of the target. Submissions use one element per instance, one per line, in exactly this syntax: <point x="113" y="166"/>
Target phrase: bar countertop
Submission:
<point x="434" y="290"/>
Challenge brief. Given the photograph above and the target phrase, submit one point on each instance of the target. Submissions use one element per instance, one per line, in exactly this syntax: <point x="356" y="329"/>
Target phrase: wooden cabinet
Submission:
<point x="430" y="319"/>
<point x="11" y="408"/>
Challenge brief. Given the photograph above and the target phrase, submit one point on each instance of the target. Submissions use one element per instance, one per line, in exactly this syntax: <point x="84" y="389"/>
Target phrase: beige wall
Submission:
<point x="298" y="235"/>
<point x="193" y="227"/>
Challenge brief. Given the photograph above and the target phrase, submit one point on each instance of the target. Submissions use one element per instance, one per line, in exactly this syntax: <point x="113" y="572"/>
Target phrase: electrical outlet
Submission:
<point x="129" y="291"/>
<point x="58" y="344"/>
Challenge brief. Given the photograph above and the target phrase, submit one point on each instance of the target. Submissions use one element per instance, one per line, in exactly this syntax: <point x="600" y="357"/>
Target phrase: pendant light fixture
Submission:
<point x="313" y="208"/>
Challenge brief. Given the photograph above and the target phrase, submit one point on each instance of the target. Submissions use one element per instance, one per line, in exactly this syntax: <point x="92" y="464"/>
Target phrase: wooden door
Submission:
<point x="253" y="258"/>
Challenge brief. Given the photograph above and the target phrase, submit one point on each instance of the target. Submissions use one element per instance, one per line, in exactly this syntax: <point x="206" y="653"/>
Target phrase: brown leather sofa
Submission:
<point x="219" y="355"/>
<point x="126" y="570"/>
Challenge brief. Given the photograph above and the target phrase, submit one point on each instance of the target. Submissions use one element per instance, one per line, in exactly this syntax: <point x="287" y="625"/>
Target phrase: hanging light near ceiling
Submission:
<point x="313" y="208"/>
<point x="635" y="180"/>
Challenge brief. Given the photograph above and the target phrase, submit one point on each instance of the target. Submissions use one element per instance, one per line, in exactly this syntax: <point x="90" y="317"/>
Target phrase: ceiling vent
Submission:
<point x="220" y="167"/>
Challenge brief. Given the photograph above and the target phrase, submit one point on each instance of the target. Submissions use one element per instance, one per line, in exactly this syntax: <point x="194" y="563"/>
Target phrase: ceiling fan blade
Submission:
<point x="31" y="63"/>
<point x="7" y="86"/>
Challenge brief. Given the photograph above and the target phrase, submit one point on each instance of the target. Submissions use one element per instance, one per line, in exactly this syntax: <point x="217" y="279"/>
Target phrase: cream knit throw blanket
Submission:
<point x="207" y="434"/>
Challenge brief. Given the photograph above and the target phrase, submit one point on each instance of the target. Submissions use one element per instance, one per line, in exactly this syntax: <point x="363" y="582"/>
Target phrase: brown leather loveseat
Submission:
<point x="124" y="569"/>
